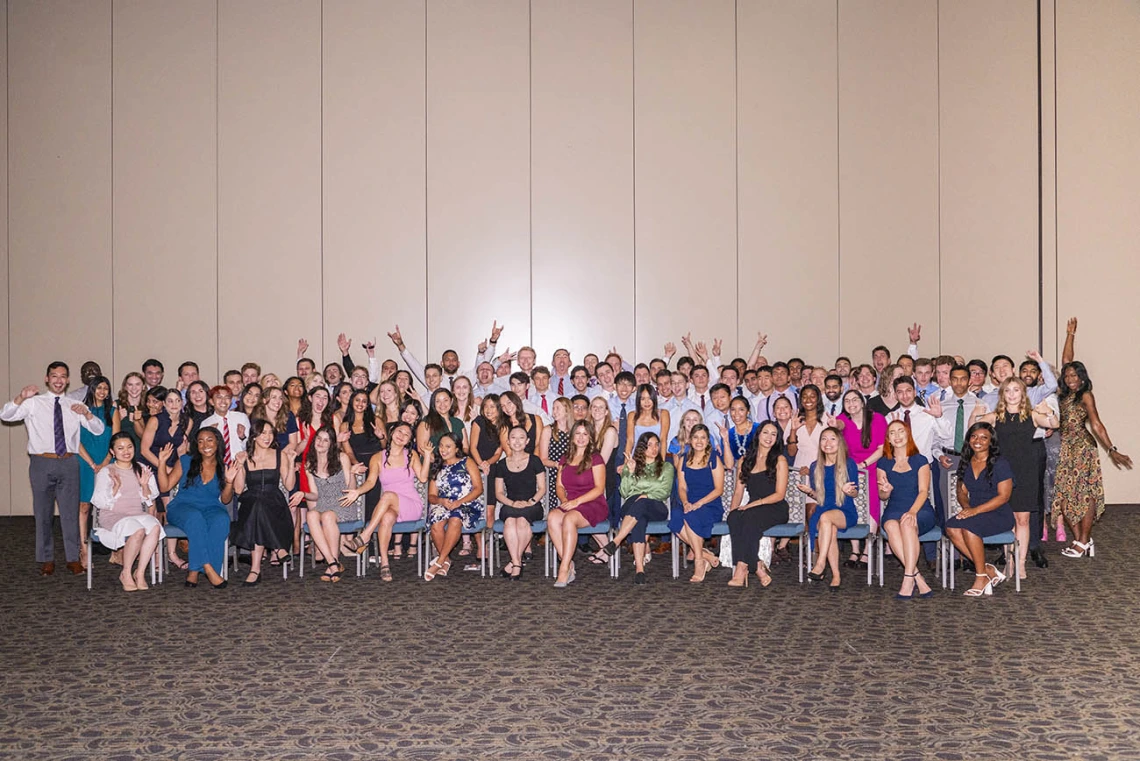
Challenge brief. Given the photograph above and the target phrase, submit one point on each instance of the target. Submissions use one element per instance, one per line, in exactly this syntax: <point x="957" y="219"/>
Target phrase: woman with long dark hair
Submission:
<point x="581" y="485"/>
<point x="327" y="473"/>
<point x="123" y="491"/>
<point x="514" y="415"/>
<point x="455" y="499"/>
<point x="170" y="426"/>
<point x="985" y="483"/>
<point x="393" y="472"/>
<point x="250" y="400"/>
<point x="834" y="484"/>
<point x="440" y="420"/>
<point x="94" y="451"/>
<point x="763" y="474"/>
<point x="205" y="487"/>
<point x="363" y="443"/>
<point x="700" y="485"/>
<point x="1078" y="497"/>
<point x="865" y="432"/>
<point x="264" y="521"/>
<point x="132" y="405"/>
<point x="520" y="484"/>
<point x="645" y="490"/>
<point x="197" y="406"/>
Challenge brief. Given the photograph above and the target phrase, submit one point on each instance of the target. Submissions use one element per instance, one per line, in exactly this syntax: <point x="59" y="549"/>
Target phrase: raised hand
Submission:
<point x="165" y="453"/>
<point x="702" y="351"/>
<point x="687" y="341"/>
<point x="1071" y="328"/>
<point x="241" y="431"/>
<point x="116" y="480"/>
<point x="232" y="470"/>
<point x="1035" y="356"/>
<point x="496" y="331"/>
<point x="80" y="409"/>
<point x="914" y="333"/>
<point x="717" y="343"/>
<point x="343" y="436"/>
<point x="27" y="392"/>
<point x="428" y="449"/>
<point x="670" y="350"/>
<point x="343" y="343"/>
<point x="761" y="340"/>
<point x="482" y="348"/>
<point x="370" y="348"/>
<point x="397" y="339"/>
<point x="144" y="481"/>
<point x="933" y="406"/>
<point x="507" y="356"/>
<point x="302" y="347"/>
<point x="184" y="447"/>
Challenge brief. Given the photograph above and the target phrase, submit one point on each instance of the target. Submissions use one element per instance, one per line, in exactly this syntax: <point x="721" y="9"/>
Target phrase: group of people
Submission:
<point x="653" y="447"/>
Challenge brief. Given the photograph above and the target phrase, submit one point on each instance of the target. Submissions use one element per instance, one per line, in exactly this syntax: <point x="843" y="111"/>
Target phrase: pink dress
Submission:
<point x="855" y="449"/>
<point x="576" y="484"/>
<point x="401" y="481"/>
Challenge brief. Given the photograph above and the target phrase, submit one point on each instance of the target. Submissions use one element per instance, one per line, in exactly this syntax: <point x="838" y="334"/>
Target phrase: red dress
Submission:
<point x="307" y="432"/>
<point x="576" y="484"/>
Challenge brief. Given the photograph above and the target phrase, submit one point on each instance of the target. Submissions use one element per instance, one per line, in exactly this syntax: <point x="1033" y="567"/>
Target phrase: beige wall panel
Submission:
<point x="1098" y="182"/>
<point x="685" y="172"/>
<point x="582" y="176"/>
<point x="988" y="175"/>
<point x="789" y="207"/>
<point x="888" y="174"/>
<point x="5" y="393"/>
<point x="165" y="185"/>
<point x="478" y="170"/>
<point x="375" y="258"/>
<point x="269" y="181"/>
<point x="59" y="172"/>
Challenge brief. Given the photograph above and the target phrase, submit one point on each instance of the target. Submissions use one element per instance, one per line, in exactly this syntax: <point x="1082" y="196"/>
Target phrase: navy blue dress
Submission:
<point x="848" y="506"/>
<point x="906" y="492"/>
<point x="699" y="483"/>
<point x="982" y="490"/>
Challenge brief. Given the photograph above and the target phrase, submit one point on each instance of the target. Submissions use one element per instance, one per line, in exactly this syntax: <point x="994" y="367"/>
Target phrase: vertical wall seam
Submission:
<point x="633" y="167"/>
<point x="530" y="165"/>
<point x="938" y="150"/>
<point x="217" y="188"/>
<point x="112" y="183"/>
<point x="1056" y="196"/>
<point x="321" y="201"/>
<point x="427" y="179"/>
<point x="838" y="201"/>
<point x="736" y="153"/>
<point x="1040" y="201"/>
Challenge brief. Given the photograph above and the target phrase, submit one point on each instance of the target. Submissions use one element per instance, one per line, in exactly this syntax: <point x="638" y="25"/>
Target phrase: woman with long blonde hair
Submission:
<point x="834" y="484"/>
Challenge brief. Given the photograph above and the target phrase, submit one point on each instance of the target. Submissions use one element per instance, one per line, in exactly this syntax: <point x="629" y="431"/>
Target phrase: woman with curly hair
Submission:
<point x="581" y="485"/>
<point x="645" y="490"/>
<point x="985" y="483"/>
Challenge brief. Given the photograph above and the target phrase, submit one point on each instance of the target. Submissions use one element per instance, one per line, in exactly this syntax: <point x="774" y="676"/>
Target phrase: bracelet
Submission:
<point x="1112" y="448"/>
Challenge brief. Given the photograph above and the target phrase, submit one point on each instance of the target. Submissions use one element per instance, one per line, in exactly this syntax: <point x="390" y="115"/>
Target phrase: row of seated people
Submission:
<point x="381" y="432"/>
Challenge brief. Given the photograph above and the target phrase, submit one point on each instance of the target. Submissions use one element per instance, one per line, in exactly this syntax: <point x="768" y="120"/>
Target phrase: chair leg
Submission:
<point x="801" y="542"/>
<point x="882" y="562"/>
<point x="870" y="557"/>
<point x="676" y="553"/>
<point x="302" y="571"/>
<point x="89" y="554"/>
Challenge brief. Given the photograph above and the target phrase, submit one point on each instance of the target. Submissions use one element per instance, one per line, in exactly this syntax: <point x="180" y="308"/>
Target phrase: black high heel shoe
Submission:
<point x="222" y="585"/>
<point x="506" y="573"/>
<point x="255" y="582"/>
<point x="517" y="576"/>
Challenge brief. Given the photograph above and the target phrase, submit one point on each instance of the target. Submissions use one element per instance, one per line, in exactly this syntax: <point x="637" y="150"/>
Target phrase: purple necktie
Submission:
<point x="60" y="441"/>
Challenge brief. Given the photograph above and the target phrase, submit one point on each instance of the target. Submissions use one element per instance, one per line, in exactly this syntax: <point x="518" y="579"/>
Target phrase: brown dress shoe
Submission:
<point x="47" y="569"/>
<point x="75" y="567"/>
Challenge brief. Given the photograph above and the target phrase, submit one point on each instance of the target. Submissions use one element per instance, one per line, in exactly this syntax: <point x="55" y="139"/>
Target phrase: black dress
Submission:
<point x="520" y="487"/>
<point x="263" y="512"/>
<point x="747" y="527"/>
<point x="1015" y="438"/>
<point x="364" y="446"/>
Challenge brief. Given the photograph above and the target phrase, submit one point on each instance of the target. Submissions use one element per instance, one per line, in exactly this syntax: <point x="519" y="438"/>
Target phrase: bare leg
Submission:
<point x="638" y="553"/>
<point x="570" y="524"/>
<point x="554" y="531"/>
<point x="970" y="545"/>
<point x="319" y="530"/>
<point x="146" y="552"/>
<point x="130" y="552"/>
<point x="898" y="547"/>
<point x="84" y="513"/>
<point x="255" y="563"/>
<point x="384" y="532"/>
<point x="1021" y="531"/>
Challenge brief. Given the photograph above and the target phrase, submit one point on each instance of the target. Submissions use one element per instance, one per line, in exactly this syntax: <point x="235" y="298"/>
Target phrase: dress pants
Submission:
<point x="55" y="481"/>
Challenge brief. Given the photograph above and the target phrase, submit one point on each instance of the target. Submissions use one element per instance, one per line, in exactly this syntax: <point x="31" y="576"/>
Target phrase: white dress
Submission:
<point x="122" y="513"/>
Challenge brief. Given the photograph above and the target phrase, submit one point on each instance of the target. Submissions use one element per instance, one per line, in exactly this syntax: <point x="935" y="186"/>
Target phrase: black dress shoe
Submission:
<point x="1039" y="558"/>
<point x="639" y="578"/>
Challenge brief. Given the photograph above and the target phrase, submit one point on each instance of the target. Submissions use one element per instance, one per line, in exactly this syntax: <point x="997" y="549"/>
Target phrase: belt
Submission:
<point x="54" y="456"/>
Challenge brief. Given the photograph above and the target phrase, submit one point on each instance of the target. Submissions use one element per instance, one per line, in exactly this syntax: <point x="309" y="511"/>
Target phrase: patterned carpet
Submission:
<point x="470" y="668"/>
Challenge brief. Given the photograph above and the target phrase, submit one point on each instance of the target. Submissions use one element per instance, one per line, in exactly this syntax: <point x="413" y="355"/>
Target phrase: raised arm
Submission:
<point x="1119" y="459"/>
<point x="1070" y="339"/>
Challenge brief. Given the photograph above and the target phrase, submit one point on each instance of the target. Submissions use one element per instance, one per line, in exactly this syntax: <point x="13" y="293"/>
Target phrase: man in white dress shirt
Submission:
<point x="606" y="386"/>
<point x="520" y="384"/>
<point x="486" y="382"/>
<point x="53" y="423"/>
<point x="449" y="361"/>
<point x="233" y="425"/>
<point x="832" y="395"/>
<point x="560" y="377"/>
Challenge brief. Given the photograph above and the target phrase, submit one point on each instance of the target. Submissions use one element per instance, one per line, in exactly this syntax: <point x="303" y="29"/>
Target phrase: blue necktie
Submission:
<point x="60" y="440"/>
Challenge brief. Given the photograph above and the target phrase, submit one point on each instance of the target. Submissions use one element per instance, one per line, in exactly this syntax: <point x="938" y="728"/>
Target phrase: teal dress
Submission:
<point x="97" y="448"/>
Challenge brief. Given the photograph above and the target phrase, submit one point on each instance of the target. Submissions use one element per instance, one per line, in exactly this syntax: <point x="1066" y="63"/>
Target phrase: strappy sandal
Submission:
<point x="330" y="574"/>
<point x="987" y="590"/>
<point x="1076" y="550"/>
<point x="357" y="544"/>
<point x="385" y="573"/>
<point x="710" y="558"/>
<point x="999" y="578"/>
<point x="429" y="574"/>
<point x="443" y="569"/>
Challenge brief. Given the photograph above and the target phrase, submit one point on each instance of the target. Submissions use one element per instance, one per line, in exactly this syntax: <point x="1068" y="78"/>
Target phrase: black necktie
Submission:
<point x="60" y="440"/>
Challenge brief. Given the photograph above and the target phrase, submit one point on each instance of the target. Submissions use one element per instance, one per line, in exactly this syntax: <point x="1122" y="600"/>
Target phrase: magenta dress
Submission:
<point x="402" y="482"/>
<point x="855" y="449"/>
<point x="576" y="484"/>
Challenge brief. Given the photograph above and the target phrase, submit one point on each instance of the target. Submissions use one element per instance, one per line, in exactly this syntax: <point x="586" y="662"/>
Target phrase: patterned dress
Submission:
<point x="1078" y="485"/>
<point x="451" y="482"/>
<point x="558" y="449"/>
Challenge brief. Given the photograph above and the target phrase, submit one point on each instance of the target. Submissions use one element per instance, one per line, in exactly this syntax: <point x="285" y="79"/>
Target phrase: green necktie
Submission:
<point x="960" y="426"/>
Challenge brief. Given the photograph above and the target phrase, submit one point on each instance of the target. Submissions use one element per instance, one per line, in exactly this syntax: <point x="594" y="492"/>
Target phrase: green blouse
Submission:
<point x="656" y="486"/>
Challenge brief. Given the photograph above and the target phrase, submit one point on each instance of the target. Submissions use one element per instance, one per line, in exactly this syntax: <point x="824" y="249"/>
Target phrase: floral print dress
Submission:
<point x="451" y="482"/>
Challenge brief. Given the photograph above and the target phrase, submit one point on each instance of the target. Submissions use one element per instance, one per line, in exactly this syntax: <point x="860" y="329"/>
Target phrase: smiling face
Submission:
<point x="252" y="398"/>
<point x="898" y="435"/>
<point x="221" y="402"/>
<point x="905" y="394"/>
<point x="197" y="396"/>
<point x="409" y="415"/>
<point x="295" y="388"/>
<point x="832" y="389"/>
<point x="359" y="403"/>
<point x="960" y="381"/>
<point x="853" y="405"/>
<point x="442" y="403"/>
<point x="809" y="399"/>
<point x="322" y="442"/>
<point x="265" y="437"/>
<point x="207" y="445"/>
<point x="1071" y="380"/>
<point x="333" y="374"/>
<point x="485" y="373"/>
<point x="402" y="435"/>
<point x="980" y="443"/>
<point x="738" y="411"/>
<point x="581" y="437"/>
<point x="274" y="401"/>
<point x="699" y="440"/>
<point x="320" y="400"/>
<point x="134" y="386"/>
<point x="766" y="436"/>
<point x="1013" y="396"/>
<point x="447" y="449"/>
<point x="689" y="419"/>
<point x="599" y="409"/>
<point x="828" y="442"/>
<point x="508" y="406"/>
<point x="526" y="359"/>
<point x="1030" y="375"/>
<point x="57" y="379"/>
<point x="102" y="391"/>
<point x="153" y="375"/>
<point x="517" y="440"/>
<point x="782" y="411"/>
<point x="1001" y="370"/>
<point x="123" y="450"/>
<point x="172" y="403"/>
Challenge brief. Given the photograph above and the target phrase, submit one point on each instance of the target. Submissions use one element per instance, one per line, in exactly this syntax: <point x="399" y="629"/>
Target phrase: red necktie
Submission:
<point x="560" y="393"/>
<point x="226" y="440"/>
<point x="906" y="418"/>
<point x="544" y="408"/>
